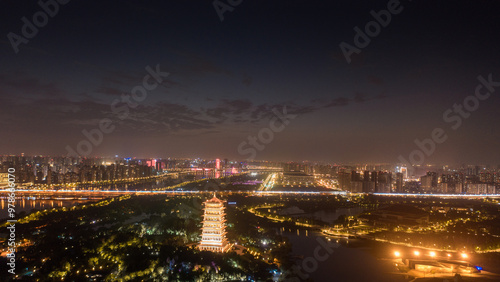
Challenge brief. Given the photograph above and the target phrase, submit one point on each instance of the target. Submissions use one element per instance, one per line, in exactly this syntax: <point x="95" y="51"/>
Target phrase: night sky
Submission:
<point x="225" y="77"/>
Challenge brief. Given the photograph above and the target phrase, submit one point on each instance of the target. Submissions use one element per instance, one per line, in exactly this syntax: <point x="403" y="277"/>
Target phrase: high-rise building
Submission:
<point x="399" y="182"/>
<point x="355" y="176"/>
<point x="383" y="182"/>
<point x="344" y="179"/>
<point x="366" y="176"/>
<point x="357" y="186"/>
<point x="445" y="188"/>
<point x="213" y="235"/>
<point x="403" y="170"/>
<point x="368" y="187"/>
<point x="429" y="182"/>
<point x="477" y="188"/>
<point x="426" y="181"/>
<point x="486" y="177"/>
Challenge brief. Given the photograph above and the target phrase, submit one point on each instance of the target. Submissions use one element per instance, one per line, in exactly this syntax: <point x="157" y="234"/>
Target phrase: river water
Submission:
<point x="350" y="260"/>
<point x="27" y="204"/>
<point x="354" y="259"/>
<point x="346" y="263"/>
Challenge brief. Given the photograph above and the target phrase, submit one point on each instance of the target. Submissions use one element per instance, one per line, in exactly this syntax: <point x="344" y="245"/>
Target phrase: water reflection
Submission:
<point x="27" y="204"/>
<point x="343" y="264"/>
<point x="346" y="263"/>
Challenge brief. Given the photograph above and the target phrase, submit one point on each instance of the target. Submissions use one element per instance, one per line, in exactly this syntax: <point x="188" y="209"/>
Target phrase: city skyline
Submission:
<point x="46" y="172"/>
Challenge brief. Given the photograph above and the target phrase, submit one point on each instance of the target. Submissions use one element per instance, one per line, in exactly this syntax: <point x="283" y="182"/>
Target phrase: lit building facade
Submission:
<point x="4" y="180"/>
<point x="213" y="235"/>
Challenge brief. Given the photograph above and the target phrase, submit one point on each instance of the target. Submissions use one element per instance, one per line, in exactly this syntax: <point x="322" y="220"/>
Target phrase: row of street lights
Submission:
<point x="432" y="254"/>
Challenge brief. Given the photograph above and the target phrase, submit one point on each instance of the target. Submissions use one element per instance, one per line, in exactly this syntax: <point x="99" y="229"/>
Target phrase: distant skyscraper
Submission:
<point x="344" y="181"/>
<point x="366" y="176"/>
<point x="426" y="183"/>
<point x="213" y="235"/>
<point x="368" y="187"/>
<point x="384" y="182"/>
<point x="357" y="186"/>
<point x="399" y="182"/>
<point x="429" y="182"/>
<point x="355" y="176"/>
<point x="49" y="176"/>
<point x="403" y="170"/>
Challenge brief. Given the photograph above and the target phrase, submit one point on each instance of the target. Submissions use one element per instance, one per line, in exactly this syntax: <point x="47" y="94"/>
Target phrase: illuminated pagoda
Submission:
<point x="213" y="234"/>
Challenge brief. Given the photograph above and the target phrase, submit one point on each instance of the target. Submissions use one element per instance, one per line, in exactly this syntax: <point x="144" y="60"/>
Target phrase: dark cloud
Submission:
<point x="159" y="118"/>
<point x="337" y="102"/>
<point x="109" y="91"/>
<point x="30" y="86"/>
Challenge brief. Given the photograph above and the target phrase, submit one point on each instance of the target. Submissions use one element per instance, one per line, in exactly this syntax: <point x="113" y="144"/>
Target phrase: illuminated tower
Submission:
<point x="217" y="168"/>
<point x="213" y="234"/>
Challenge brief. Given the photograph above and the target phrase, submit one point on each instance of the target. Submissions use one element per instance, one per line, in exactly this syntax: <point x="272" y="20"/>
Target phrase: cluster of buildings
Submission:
<point x="366" y="182"/>
<point x="487" y="182"/>
<point x="466" y="180"/>
<point x="387" y="178"/>
<point x="55" y="170"/>
<point x="363" y="178"/>
<point x="430" y="183"/>
<point x="51" y="170"/>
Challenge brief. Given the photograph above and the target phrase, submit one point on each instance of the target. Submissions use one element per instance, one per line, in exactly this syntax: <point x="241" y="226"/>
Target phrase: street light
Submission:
<point x="397" y="254"/>
<point x="432" y="254"/>
<point x="417" y="253"/>
<point x="464" y="255"/>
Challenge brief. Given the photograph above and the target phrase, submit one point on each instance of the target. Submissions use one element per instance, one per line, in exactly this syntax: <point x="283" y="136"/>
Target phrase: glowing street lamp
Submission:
<point x="432" y="254"/>
<point x="464" y="255"/>
<point x="417" y="253"/>
<point x="397" y="254"/>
